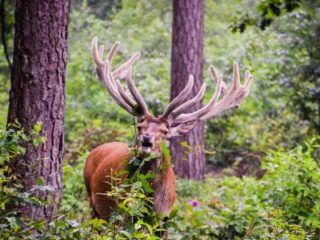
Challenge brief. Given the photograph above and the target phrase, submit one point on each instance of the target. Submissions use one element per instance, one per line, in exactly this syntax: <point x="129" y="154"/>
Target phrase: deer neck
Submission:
<point x="160" y="184"/>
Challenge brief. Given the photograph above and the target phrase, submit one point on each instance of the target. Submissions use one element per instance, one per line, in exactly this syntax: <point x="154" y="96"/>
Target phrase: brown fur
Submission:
<point x="108" y="159"/>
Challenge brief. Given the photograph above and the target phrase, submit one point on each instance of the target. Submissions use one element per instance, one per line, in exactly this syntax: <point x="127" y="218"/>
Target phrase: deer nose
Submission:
<point x="146" y="138"/>
<point x="146" y="141"/>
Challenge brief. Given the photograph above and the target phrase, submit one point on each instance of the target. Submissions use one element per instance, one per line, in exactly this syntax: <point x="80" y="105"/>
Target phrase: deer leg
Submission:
<point x="94" y="213"/>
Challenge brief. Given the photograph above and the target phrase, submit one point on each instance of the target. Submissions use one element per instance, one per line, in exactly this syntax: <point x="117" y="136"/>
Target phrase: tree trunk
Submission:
<point x="187" y="58"/>
<point x="37" y="95"/>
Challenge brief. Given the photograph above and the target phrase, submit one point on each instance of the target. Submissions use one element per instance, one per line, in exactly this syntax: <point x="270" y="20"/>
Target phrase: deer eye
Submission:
<point x="141" y="119"/>
<point x="164" y="132"/>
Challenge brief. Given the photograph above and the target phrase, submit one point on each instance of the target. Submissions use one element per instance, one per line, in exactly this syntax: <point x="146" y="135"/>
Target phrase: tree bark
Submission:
<point x="187" y="58"/>
<point x="37" y="95"/>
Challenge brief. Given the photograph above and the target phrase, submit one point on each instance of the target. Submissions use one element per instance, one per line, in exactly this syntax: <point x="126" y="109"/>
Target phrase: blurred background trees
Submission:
<point x="277" y="40"/>
<point x="283" y="107"/>
<point x="298" y="28"/>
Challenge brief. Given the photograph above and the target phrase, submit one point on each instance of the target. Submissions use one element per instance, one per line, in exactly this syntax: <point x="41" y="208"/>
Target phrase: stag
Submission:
<point x="108" y="158"/>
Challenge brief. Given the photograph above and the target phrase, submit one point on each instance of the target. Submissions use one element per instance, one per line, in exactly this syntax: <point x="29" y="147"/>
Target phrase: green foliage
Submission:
<point x="283" y="107"/>
<point x="298" y="173"/>
<point x="74" y="192"/>
<point x="281" y="205"/>
<point x="73" y="221"/>
<point x="11" y="190"/>
<point x="9" y="147"/>
<point x="262" y="122"/>
<point x="267" y="11"/>
<point x="281" y="112"/>
<point x="296" y="24"/>
<point x="284" y="204"/>
<point x="6" y="25"/>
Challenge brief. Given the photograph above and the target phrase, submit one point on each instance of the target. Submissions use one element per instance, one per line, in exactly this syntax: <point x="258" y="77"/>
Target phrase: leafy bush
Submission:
<point x="284" y="204"/>
<point x="11" y="190"/>
<point x="133" y="219"/>
<point x="292" y="184"/>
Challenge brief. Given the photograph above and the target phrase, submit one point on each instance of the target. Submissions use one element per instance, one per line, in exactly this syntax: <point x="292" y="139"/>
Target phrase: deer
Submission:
<point x="108" y="158"/>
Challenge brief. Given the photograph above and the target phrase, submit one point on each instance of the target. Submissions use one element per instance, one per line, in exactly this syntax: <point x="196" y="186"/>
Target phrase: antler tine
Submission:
<point x="136" y="94"/>
<point x="183" y="128"/>
<point x="121" y="72"/>
<point x="215" y="76"/>
<point x="197" y="114"/>
<point x="248" y="81"/>
<point x="231" y="98"/>
<point x="108" y="82"/>
<point x="188" y="104"/>
<point x="218" y="90"/>
<point x="123" y="94"/>
<point x="125" y="70"/>
<point x="96" y="54"/>
<point x="179" y="99"/>
<point x="113" y="51"/>
<point x="103" y="68"/>
<point x="235" y="95"/>
<point x="236" y="77"/>
<point x="108" y="78"/>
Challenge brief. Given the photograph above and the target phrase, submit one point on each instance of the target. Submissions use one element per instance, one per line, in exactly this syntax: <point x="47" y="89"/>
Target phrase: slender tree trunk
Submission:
<point x="187" y="58"/>
<point x="37" y="95"/>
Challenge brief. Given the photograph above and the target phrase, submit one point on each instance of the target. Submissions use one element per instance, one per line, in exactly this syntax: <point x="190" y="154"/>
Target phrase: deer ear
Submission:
<point x="182" y="128"/>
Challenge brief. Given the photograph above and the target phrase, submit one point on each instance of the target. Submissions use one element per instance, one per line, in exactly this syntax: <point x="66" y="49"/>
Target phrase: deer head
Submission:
<point x="174" y="121"/>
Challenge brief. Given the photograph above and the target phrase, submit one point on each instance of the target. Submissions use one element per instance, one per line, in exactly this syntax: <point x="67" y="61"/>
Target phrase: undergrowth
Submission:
<point x="283" y="204"/>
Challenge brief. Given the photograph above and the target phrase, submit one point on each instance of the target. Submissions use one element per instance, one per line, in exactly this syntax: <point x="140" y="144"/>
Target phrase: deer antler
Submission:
<point x="179" y="99"/>
<point x="110" y="79"/>
<point x="183" y="122"/>
<point x="179" y="121"/>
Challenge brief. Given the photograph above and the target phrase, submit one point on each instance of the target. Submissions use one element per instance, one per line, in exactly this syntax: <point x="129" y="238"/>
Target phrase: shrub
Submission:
<point x="292" y="184"/>
<point x="284" y="204"/>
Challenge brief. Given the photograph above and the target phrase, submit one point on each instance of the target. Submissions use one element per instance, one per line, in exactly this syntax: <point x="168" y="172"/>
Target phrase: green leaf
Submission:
<point x="40" y="181"/>
<point x="97" y="223"/>
<point x="185" y="144"/>
<point x="140" y="235"/>
<point x="165" y="150"/>
<point x="126" y="234"/>
<point x="37" y="127"/>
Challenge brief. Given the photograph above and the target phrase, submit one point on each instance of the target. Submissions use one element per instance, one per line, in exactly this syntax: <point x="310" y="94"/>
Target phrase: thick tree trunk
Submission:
<point x="37" y="95"/>
<point x="187" y="58"/>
